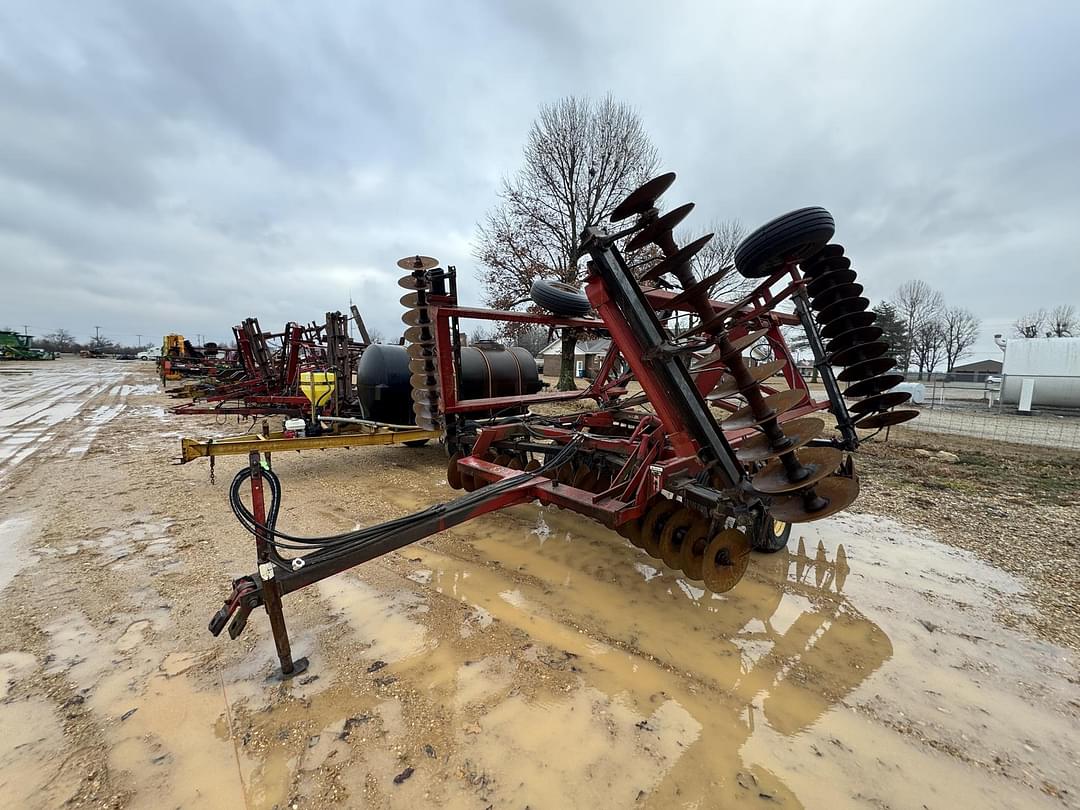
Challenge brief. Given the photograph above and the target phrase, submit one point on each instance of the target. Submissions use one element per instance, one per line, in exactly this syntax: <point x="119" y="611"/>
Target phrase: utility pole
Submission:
<point x="97" y="335"/>
<point x="140" y="339"/>
<point x="26" y="329"/>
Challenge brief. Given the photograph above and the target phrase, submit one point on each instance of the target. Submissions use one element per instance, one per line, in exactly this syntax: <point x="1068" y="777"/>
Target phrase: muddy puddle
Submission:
<point x="531" y="659"/>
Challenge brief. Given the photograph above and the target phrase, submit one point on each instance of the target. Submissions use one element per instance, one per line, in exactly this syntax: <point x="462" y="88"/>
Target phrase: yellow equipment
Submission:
<point x="318" y="387"/>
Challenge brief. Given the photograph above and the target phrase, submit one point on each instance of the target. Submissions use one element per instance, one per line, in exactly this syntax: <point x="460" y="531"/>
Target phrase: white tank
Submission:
<point x="916" y="389"/>
<point x="1052" y="363"/>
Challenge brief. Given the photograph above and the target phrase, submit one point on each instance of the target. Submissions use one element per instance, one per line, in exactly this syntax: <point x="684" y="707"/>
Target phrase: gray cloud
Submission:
<point x="181" y="166"/>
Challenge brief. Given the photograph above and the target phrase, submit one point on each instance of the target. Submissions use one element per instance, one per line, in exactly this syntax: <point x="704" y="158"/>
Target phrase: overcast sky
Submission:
<point x="169" y="166"/>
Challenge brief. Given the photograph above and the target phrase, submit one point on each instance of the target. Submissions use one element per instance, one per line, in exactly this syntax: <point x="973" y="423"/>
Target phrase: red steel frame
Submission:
<point x="648" y="466"/>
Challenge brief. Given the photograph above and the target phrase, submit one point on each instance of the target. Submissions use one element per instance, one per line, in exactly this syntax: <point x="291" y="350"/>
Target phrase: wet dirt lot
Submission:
<point x="526" y="659"/>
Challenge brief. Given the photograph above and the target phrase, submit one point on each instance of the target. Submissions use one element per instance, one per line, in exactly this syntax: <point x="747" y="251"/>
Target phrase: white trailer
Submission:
<point x="1047" y="368"/>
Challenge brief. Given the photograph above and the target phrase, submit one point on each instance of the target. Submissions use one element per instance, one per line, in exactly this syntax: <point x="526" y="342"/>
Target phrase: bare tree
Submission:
<point x="59" y="341"/>
<point x="1063" y="321"/>
<point x="1031" y="325"/>
<point x="719" y="253"/>
<point x="581" y="159"/>
<point x="533" y="338"/>
<point x="917" y="304"/>
<point x="100" y="343"/>
<point x="960" y="329"/>
<point x="928" y="345"/>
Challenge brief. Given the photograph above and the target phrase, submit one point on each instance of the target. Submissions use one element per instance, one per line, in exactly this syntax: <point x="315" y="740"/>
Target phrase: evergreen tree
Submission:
<point x="896" y="333"/>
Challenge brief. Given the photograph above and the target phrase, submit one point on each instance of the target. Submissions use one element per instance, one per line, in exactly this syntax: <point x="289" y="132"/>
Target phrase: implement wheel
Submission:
<point x="770" y="535"/>
<point x="790" y="237"/>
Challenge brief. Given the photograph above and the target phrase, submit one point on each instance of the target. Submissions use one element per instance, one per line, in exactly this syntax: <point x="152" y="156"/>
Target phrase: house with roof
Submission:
<point x="588" y="355"/>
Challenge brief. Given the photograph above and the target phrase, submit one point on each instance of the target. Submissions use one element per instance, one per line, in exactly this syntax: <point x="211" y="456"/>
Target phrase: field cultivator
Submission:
<point x="301" y="371"/>
<point x="697" y="444"/>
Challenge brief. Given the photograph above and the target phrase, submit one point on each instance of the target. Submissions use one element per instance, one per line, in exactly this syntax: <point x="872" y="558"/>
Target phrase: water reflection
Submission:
<point x="775" y="654"/>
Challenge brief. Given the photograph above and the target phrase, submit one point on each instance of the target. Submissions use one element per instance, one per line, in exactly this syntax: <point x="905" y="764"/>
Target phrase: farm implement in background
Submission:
<point x="692" y="449"/>
<point x="14" y="346"/>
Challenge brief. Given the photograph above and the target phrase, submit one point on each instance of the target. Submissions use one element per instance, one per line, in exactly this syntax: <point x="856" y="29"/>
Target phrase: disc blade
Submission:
<point x="821" y="259"/>
<point x="737" y="345"/>
<point x="674" y="533"/>
<point x="885" y="419"/>
<point x="420" y="351"/>
<point x="859" y="353"/>
<point x="426" y="424"/>
<point x="866" y="369"/>
<point x="826" y="266"/>
<point x="424" y="411"/>
<point x="776" y="404"/>
<point x="799" y="431"/>
<point x="834" y="294"/>
<point x="423" y="380"/>
<point x="881" y="402"/>
<point x="875" y="385"/>
<point x="853" y="337"/>
<point x="663" y="224"/>
<point x="843" y="307"/>
<point x="416" y="317"/>
<point x="726" y="558"/>
<point x="643" y="197"/>
<point x="425" y="395"/>
<point x="837" y="492"/>
<point x="411" y="282"/>
<point x="826" y="281"/>
<point x="818" y="462"/>
<point x="701" y="288"/>
<point x="729" y="386"/>
<point x="676" y="260"/>
<point x="417" y="263"/>
<point x="421" y="334"/>
<point x="410" y="300"/>
<point x="853" y="321"/>
<point x="422" y="366"/>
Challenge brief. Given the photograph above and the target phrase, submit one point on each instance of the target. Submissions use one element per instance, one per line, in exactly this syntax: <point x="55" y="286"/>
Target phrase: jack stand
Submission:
<point x="271" y="590"/>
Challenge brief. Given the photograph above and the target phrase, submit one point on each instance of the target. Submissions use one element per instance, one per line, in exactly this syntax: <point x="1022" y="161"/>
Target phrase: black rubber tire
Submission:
<point x="764" y="537"/>
<point x="559" y="298"/>
<point x="417" y="443"/>
<point x="790" y="237"/>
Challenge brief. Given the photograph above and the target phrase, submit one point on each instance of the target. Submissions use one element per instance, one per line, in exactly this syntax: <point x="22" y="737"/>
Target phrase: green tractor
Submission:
<point x="14" y="346"/>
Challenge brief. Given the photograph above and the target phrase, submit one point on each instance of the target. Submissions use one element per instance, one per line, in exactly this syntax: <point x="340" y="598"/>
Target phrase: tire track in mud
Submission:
<point x="57" y="409"/>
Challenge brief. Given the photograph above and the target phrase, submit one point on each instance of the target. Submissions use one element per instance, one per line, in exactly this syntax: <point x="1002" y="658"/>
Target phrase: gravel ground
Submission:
<point x="1016" y="507"/>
